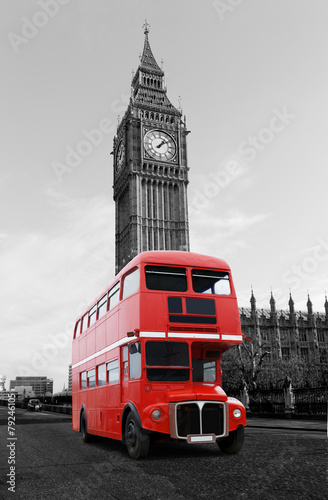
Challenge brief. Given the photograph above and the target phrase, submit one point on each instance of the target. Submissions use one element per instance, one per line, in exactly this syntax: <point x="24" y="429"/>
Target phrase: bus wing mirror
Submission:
<point x="134" y="348"/>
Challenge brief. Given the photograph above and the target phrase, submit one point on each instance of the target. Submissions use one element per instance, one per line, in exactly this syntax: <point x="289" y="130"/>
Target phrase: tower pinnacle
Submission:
<point x="146" y="27"/>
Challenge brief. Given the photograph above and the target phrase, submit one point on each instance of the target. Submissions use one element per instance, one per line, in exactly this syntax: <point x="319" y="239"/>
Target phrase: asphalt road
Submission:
<point x="52" y="462"/>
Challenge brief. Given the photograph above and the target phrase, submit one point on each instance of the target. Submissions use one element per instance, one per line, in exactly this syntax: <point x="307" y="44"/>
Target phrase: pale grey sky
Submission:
<point x="253" y="79"/>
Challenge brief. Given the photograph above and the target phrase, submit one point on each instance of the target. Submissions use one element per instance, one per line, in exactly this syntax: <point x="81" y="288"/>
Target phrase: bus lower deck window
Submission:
<point x="83" y="380"/>
<point x="113" y="371"/>
<point x="102" y="374"/>
<point x="167" y="354"/>
<point x="92" y="378"/>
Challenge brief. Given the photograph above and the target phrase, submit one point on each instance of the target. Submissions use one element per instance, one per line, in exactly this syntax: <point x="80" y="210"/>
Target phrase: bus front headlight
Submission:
<point x="157" y="414"/>
<point x="236" y="413"/>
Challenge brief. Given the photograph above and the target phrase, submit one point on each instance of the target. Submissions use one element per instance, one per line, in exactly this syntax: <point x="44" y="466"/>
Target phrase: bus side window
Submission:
<point x="135" y="360"/>
<point x="85" y="322"/>
<point x="77" y="329"/>
<point x="131" y="283"/>
<point x="83" y="380"/>
<point x="91" y="378"/>
<point x="102" y="306"/>
<point x="92" y="315"/>
<point x="101" y="380"/>
<point x="203" y="370"/>
<point x="113" y="371"/>
<point x="114" y="296"/>
<point x="125" y="359"/>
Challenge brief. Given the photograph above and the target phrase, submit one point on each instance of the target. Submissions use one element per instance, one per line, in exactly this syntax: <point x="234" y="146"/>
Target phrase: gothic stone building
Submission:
<point x="150" y="168"/>
<point x="288" y="333"/>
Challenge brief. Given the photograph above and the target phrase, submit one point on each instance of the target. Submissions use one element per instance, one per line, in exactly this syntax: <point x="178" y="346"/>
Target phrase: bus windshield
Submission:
<point x="215" y="282"/>
<point x="169" y="358"/>
<point x="173" y="279"/>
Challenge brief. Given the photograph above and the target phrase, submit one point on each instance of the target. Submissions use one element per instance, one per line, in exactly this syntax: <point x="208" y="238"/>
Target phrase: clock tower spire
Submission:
<point x="150" y="167"/>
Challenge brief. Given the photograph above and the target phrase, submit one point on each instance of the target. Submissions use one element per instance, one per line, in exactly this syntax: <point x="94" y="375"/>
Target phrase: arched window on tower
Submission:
<point x="155" y="239"/>
<point x="166" y="209"/>
<point x="154" y="203"/>
<point x="171" y="205"/>
<point x="148" y="201"/>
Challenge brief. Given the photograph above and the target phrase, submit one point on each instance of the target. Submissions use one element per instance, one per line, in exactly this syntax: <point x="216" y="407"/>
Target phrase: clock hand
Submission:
<point x="161" y="144"/>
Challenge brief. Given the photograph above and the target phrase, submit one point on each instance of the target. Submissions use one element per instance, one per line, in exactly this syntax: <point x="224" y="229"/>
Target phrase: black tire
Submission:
<point x="136" y="440"/>
<point x="86" y="437"/>
<point x="232" y="443"/>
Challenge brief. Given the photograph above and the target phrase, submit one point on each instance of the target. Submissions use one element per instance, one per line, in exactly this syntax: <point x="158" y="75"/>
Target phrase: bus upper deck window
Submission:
<point x="215" y="282"/>
<point x="92" y="315"/>
<point x="102" y="306"/>
<point x="77" y="329"/>
<point x="85" y="322"/>
<point x="114" y="296"/>
<point x="173" y="279"/>
<point x="131" y="283"/>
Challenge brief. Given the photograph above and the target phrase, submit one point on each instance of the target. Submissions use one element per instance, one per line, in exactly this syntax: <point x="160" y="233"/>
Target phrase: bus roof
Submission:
<point x="171" y="258"/>
<point x="178" y="258"/>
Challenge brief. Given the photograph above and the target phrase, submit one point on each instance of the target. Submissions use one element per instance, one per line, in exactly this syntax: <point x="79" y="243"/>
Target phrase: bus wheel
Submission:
<point x="232" y="443"/>
<point x="136" y="440"/>
<point x="85" y="435"/>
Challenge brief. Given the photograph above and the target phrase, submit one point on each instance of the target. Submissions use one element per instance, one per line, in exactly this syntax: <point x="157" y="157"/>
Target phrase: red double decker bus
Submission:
<point x="146" y="355"/>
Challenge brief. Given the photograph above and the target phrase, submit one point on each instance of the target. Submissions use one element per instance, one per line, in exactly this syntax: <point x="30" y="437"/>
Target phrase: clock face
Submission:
<point x="160" y="145"/>
<point x="120" y="155"/>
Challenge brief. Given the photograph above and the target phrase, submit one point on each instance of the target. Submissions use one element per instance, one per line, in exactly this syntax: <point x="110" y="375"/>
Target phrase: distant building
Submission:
<point x="2" y="383"/>
<point x="288" y="333"/>
<point x="70" y="379"/>
<point x="41" y="386"/>
<point x="24" y="391"/>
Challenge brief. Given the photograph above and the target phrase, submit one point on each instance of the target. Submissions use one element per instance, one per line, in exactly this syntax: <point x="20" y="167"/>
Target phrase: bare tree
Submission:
<point x="251" y="361"/>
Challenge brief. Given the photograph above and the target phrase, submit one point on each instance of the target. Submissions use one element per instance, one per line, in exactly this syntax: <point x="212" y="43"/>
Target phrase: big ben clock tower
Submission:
<point x="150" y="168"/>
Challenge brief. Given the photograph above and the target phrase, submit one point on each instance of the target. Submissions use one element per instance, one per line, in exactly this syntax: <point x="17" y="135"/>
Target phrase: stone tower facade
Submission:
<point x="150" y="168"/>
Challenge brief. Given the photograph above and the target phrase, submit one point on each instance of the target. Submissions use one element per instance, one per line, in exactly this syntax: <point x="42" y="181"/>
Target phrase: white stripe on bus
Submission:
<point x="123" y="341"/>
<point x="152" y="334"/>
<point x="232" y="337"/>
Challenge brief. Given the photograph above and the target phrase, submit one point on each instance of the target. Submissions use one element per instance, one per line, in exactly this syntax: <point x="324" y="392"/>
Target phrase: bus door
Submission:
<point x="125" y="373"/>
<point x="131" y="371"/>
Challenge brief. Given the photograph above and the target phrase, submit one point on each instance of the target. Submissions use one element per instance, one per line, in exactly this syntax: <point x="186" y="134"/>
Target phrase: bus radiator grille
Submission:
<point x="200" y="418"/>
